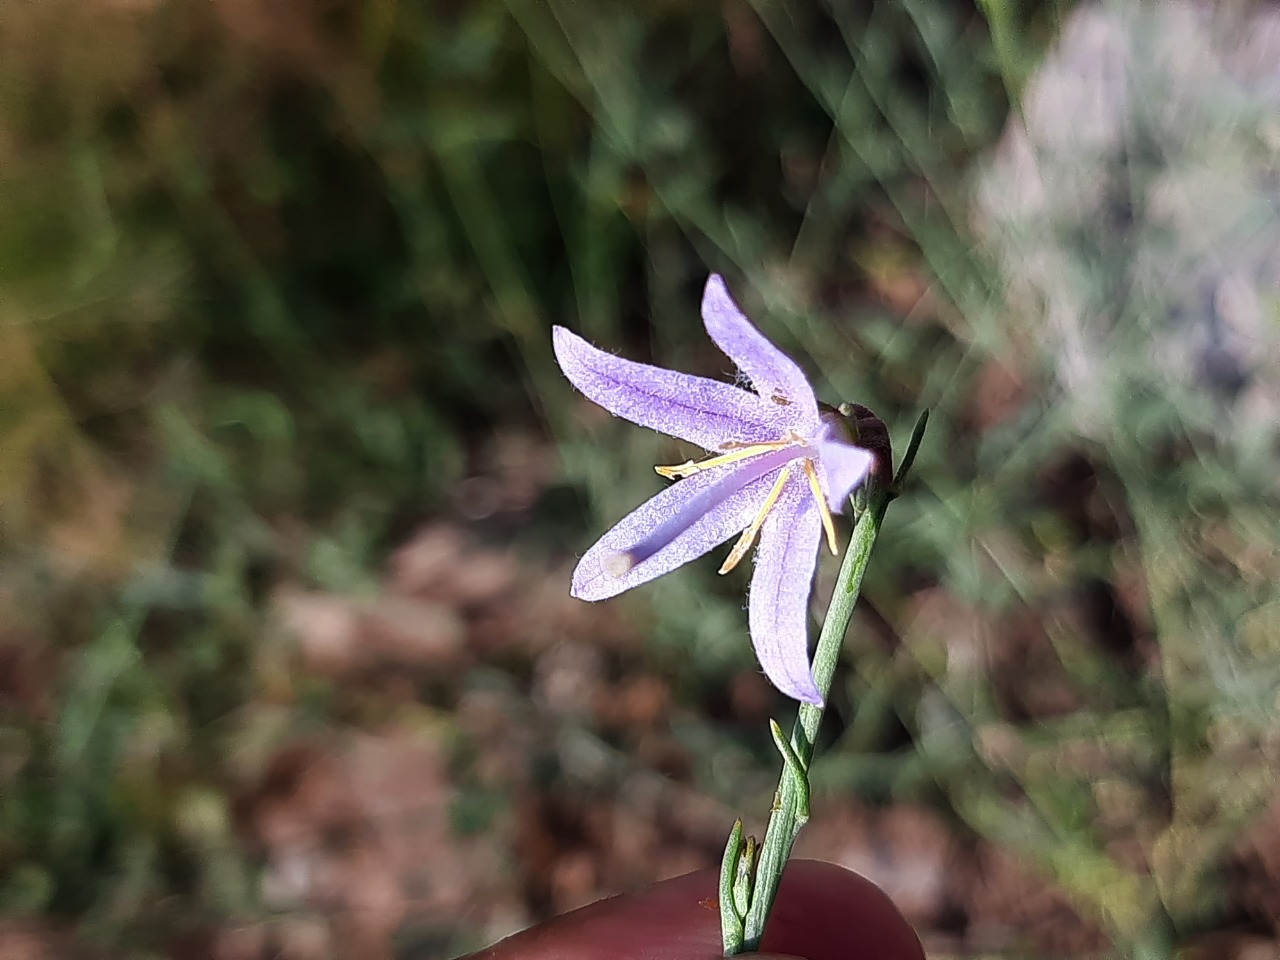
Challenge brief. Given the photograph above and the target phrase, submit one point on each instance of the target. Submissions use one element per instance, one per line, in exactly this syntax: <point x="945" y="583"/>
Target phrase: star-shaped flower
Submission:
<point x="779" y="466"/>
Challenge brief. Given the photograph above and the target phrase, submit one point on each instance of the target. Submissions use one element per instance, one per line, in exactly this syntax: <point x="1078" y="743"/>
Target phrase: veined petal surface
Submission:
<point x="688" y="519"/>
<point x="704" y="412"/>
<point x="778" y="605"/>
<point x="772" y="372"/>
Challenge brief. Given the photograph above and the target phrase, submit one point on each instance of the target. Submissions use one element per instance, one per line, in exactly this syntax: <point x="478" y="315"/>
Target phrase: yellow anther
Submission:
<point x="749" y="535"/>
<point x="689" y="467"/>
<point x="828" y="524"/>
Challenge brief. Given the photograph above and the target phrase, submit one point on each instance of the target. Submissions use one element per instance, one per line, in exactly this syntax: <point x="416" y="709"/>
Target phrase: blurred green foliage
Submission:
<point x="269" y="273"/>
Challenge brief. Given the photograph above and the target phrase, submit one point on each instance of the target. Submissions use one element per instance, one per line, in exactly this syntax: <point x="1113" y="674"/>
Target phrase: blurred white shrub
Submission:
<point x="1134" y="210"/>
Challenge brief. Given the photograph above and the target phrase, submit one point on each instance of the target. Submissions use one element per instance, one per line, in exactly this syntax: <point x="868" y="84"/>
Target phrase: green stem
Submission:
<point x="784" y="821"/>
<point x="791" y="802"/>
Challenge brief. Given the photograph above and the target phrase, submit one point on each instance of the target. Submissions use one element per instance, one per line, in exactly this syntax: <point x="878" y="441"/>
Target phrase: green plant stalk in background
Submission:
<point x="749" y="875"/>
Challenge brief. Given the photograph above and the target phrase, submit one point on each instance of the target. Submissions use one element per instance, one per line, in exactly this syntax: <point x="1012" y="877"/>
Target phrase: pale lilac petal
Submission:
<point x="772" y="373"/>
<point x="786" y="558"/>
<point x="842" y="465"/>
<point x="704" y="412"/>
<point x="680" y="524"/>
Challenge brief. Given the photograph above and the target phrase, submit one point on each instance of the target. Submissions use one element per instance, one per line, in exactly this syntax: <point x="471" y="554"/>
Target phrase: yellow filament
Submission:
<point x="689" y="468"/>
<point x="828" y="524"/>
<point x="749" y="535"/>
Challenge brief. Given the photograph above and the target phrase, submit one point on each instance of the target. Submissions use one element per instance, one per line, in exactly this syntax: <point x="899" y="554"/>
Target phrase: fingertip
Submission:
<point x="825" y="912"/>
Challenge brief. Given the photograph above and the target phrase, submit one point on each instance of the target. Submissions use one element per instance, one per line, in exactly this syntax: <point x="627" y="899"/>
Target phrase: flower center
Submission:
<point x="620" y="563"/>
<point x="749" y="535"/>
<point x="766" y="460"/>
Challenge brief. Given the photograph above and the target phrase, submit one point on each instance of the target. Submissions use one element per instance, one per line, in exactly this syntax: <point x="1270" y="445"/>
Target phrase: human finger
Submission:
<point x="822" y="912"/>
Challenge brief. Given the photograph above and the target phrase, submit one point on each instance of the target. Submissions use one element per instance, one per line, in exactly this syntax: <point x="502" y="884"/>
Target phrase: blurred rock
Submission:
<point x="402" y="630"/>
<point x="337" y="635"/>
<point x="362" y="831"/>
<point x="325" y="627"/>
<point x="514" y="467"/>
<point x="441" y="563"/>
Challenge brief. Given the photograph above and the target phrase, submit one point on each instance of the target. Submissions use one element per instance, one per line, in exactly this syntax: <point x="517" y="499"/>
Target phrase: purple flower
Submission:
<point x="778" y="468"/>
